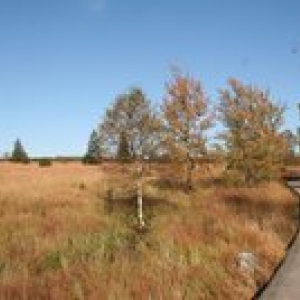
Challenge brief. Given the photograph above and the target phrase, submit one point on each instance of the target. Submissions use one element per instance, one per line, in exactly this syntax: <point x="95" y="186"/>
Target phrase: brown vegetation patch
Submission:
<point x="58" y="241"/>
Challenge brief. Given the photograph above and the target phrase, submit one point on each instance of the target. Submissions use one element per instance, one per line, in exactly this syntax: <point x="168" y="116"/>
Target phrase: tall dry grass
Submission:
<point x="59" y="241"/>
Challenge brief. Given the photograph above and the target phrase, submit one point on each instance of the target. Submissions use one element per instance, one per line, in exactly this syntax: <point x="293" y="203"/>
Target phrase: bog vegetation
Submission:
<point x="158" y="210"/>
<point x="70" y="232"/>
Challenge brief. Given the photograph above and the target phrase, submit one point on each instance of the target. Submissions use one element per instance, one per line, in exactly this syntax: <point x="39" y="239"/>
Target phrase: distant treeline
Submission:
<point x="65" y="159"/>
<point x="53" y="159"/>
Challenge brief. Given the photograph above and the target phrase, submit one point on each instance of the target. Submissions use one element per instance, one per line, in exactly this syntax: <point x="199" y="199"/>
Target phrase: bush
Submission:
<point x="88" y="160"/>
<point x="24" y="161"/>
<point x="45" y="162"/>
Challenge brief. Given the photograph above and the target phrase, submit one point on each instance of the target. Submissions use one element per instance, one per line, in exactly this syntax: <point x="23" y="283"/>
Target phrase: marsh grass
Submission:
<point x="59" y="240"/>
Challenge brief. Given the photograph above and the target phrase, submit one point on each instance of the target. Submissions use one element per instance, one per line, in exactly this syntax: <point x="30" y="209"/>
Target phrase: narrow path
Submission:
<point x="286" y="283"/>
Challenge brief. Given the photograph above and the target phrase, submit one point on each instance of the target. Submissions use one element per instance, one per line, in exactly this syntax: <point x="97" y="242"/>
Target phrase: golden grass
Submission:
<point x="58" y="241"/>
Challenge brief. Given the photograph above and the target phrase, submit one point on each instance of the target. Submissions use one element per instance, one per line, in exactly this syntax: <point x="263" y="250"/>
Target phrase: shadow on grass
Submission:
<point x="169" y="184"/>
<point x="259" y="208"/>
<point x="178" y="184"/>
<point x="126" y="205"/>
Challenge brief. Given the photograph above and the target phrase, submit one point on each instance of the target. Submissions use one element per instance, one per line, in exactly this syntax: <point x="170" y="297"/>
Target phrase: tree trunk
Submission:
<point x="140" y="204"/>
<point x="140" y="199"/>
<point x="189" y="173"/>
<point x="249" y="176"/>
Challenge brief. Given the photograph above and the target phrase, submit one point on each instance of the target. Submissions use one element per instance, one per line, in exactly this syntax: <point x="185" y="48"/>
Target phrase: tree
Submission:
<point x="94" y="149"/>
<point x="298" y="131"/>
<point x="123" y="148"/>
<point x="255" y="145"/>
<point x="186" y="117"/>
<point x="130" y="116"/>
<point x="291" y="140"/>
<point x="132" y="131"/>
<point x="298" y="139"/>
<point x="19" y="154"/>
<point x="6" y="155"/>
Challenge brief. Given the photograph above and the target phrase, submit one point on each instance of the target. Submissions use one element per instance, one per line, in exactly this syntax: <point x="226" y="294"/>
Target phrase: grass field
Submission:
<point x="62" y="237"/>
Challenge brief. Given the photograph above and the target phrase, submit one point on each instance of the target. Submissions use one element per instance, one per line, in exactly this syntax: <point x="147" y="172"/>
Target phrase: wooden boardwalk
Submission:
<point x="286" y="283"/>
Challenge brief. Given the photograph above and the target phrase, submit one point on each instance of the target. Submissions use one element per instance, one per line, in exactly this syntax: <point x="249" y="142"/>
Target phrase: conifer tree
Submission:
<point x="298" y="131"/>
<point x="19" y="154"/>
<point x="94" y="151"/>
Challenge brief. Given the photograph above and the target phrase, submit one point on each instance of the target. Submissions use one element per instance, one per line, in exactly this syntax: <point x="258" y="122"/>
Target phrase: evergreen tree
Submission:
<point x="298" y="132"/>
<point x="19" y="154"/>
<point x="94" y="151"/>
<point x="298" y="139"/>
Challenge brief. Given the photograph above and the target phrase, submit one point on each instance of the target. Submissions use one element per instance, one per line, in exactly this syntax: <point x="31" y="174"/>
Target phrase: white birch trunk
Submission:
<point x="140" y="204"/>
<point x="140" y="200"/>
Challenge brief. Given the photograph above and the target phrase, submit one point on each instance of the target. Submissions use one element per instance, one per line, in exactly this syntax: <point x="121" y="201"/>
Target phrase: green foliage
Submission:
<point x="19" y="154"/>
<point x="45" y="162"/>
<point x="2" y="266"/>
<point x="53" y="260"/>
<point x="94" y="150"/>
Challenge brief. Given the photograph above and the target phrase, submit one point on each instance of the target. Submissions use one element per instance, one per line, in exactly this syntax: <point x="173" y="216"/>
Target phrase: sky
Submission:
<point x="63" y="62"/>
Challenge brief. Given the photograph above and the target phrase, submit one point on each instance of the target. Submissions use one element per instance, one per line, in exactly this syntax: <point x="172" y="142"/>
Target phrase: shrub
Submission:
<point x="88" y="160"/>
<point x="45" y="162"/>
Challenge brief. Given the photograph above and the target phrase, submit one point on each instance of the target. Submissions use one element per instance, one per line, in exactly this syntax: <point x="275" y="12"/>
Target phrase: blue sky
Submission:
<point x="63" y="61"/>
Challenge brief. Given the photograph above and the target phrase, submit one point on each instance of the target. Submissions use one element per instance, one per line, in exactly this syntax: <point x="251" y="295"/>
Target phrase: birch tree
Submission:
<point x="123" y="153"/>
<point x="132" y="116"/>
<point x="255" y="145"/>
<point x="291" y="140"/>
<point x="128" y="116"/>
<point x="186" y="117"/>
